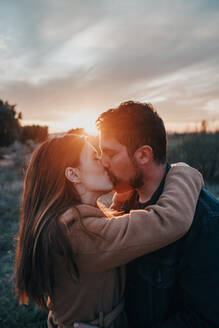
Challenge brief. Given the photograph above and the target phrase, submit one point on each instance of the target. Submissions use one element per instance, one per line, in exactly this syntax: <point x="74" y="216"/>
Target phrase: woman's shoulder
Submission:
<point x="69" y="216"/>
<point x="83" y="226"/>
<point x="82" y="211"/>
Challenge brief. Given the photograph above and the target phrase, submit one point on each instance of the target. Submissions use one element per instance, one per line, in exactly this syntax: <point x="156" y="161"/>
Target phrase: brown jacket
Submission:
<point x="101" y="260"/>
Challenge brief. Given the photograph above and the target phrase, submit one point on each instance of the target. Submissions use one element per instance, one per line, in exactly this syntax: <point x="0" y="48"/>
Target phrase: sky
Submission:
<point x="64" y="62"/>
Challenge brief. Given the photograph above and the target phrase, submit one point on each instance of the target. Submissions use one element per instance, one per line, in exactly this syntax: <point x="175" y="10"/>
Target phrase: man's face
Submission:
<point x="123" y="170"/>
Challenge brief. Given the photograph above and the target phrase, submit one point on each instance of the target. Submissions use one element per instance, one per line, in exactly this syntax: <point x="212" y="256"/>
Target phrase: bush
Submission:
<point x="36" y="133"/>
<point x="9" y="124"/>
<point x="79" y="131"/>
<point x="200" y="150"/>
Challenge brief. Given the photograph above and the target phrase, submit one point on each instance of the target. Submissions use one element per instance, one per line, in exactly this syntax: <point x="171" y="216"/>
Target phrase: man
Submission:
<point x="178" y="285"/>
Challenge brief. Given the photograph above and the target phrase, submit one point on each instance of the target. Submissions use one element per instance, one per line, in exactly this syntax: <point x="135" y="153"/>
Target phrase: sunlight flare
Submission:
<point x="84" y="120"/>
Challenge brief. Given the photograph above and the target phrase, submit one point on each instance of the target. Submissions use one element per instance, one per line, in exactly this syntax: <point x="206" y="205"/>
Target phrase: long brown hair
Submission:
<point x="47" y="194"/>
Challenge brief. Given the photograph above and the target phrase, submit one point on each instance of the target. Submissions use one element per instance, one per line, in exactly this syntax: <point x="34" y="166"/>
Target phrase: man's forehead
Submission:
<point x="109" y="142"/>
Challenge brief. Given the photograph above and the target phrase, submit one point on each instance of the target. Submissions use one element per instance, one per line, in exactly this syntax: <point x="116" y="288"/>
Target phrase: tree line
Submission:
<point x="12" y="130"/>
<point x="199" y="149"/>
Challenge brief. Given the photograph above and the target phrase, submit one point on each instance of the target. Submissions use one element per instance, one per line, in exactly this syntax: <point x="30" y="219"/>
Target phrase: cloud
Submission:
<point x="72" y="56"/>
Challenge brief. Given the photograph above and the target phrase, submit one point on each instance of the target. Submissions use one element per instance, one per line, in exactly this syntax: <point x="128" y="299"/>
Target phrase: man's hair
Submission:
<point x="135" y="124"/>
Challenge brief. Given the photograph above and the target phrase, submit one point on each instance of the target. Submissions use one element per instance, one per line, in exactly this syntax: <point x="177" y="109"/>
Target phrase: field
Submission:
<point x="11" y="184"/>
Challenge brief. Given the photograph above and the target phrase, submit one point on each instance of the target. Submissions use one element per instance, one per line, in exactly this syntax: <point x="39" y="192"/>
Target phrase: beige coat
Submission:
<point x="101" y="260"/>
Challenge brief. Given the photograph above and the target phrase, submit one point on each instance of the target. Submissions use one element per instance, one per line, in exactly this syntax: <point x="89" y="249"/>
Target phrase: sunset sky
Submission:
<point x="63" y="62"/>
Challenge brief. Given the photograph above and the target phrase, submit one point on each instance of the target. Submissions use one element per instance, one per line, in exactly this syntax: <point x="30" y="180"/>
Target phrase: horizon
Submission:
<point x="92" y="130"/>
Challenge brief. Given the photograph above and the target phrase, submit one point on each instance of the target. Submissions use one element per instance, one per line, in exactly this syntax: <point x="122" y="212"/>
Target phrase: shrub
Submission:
<point x="9" y="124"/>
<point x="79" y="131"/>
<point x="200" y="150"/>
<point x="36" y="133"/>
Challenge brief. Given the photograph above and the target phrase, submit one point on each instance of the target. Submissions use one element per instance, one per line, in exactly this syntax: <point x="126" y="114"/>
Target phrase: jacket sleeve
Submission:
<point x="126" y="237"/>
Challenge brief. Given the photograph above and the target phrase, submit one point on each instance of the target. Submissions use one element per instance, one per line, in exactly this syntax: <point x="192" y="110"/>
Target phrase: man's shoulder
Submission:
<point x="205" y="226"/>
<point x="207" y="211"/>
<point x="207" y="206"/>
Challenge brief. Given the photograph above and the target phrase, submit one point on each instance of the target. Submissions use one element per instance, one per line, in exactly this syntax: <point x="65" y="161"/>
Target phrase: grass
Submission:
<point x="11" y="313"/>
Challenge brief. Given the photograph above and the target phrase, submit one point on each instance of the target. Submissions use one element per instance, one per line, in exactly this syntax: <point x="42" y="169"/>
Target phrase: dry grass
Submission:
<point x="11" y="185"/>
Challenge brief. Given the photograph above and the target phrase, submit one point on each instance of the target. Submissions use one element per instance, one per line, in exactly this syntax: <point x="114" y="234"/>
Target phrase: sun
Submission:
<point x="90" y="127"/>
<point x="85" y="120"/>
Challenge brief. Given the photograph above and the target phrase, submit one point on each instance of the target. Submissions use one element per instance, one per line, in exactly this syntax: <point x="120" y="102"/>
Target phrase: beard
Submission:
<point x="135" y="182"/>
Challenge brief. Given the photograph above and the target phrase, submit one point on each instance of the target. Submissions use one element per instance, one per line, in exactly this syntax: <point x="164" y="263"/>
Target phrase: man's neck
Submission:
<point x="152" y="179"/>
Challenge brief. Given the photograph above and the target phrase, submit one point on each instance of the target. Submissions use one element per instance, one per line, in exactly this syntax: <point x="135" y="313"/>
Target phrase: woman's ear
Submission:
<point x="73" y="174"/>
<point x="143" y="155"/>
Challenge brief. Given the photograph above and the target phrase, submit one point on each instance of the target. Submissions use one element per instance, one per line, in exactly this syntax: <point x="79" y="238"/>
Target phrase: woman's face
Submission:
<point x="93" y="176"/>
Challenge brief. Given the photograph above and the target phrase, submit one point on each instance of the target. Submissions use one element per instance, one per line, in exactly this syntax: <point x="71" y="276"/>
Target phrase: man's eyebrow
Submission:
<point x="105" y="149"/>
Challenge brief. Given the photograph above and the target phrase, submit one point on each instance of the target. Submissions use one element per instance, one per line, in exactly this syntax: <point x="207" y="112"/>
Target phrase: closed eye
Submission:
<point x="108" y="152"/>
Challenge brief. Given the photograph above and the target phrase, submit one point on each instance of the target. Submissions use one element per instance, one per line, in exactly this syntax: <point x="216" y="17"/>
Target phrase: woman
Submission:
<point x="69" y="257"/>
